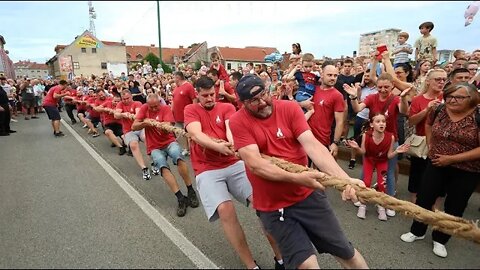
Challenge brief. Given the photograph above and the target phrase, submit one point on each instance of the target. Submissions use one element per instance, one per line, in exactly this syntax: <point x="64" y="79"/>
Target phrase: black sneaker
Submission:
<point x="146" y="174"/>
<point x="122" y="151"/>
<point x="74" y="122"/>
<point x="182" y="207"/>
<point x="155" y="170"/>
<point x="277" y="265"/>
<point x="351" y="165"/>
<point x="59" y="134"/>
<point x="192" y="199"/>
<point x="129" y="152"/>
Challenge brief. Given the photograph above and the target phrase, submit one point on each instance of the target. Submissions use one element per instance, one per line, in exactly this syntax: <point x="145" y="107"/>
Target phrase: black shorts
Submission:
<point x="311" y="221"/>
<point x="116" y="128"/>
<point x="52" y="112"/>
<point x="94" y="120"/>
<point x="28" y="103"/>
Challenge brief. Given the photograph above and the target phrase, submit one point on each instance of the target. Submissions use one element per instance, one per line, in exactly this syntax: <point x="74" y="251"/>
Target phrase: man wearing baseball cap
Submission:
<point x="293" y="207"/>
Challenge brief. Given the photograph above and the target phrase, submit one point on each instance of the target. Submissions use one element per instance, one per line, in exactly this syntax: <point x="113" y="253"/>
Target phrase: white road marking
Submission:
<point x="187" y="247"/>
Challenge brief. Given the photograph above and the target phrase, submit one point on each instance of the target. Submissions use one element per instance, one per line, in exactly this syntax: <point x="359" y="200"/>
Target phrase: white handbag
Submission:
<point x="418" y="146"/>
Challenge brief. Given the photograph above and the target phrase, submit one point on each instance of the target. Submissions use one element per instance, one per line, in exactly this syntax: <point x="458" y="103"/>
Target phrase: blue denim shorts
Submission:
<point x="302" y="96"/>
<point x="159" y="156"/>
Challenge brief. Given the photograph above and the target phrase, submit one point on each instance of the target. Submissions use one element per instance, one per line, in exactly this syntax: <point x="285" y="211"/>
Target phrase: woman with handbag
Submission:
<point x="430" y="96"/>
<point x="453" y="138"/>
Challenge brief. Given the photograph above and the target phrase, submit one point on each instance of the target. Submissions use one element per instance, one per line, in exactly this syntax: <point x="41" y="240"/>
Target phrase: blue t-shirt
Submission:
<point x="306" y="81"/>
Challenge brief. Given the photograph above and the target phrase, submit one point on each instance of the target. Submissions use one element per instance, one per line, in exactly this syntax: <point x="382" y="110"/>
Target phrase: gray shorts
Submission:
<point x="134" y="136"/>
<point x="311" y="221"/>
<point x="216" y="186"/>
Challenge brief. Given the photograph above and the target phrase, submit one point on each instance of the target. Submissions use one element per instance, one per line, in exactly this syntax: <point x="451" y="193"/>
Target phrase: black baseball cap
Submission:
<point x="249" y="86"/>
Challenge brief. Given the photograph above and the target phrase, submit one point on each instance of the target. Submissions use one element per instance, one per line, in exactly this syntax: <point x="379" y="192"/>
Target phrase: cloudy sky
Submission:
<point x="33" y="29"/>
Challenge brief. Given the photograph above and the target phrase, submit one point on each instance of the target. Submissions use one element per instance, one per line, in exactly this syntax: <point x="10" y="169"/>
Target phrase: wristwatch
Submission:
<point x="337" y="143"/>
<point x="352" y="97"/>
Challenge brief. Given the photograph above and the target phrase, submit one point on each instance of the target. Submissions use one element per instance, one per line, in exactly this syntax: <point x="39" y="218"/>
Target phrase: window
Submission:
<point x="94" y="50"/>
<point x="38" y="71"/>
<point x="139" y="56"/>
<point x="84" y="50"/>
<point x="128" y="56"/>
<point x="103" y="65"/>
<point x="229" y="65"/>
<point x="76" y="65"/>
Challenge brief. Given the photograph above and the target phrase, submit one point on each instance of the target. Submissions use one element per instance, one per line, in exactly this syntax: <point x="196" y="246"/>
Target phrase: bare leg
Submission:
<point x="310" y="263"/>
<point x="356" y="262"/>
<point x="56" y="126"/>
<point x="112" y="138"/>
<point x="234" y="233"/>
<point x="170" y="179"/>
<point x="135" y="148"/>
<point x="183" y="171"/>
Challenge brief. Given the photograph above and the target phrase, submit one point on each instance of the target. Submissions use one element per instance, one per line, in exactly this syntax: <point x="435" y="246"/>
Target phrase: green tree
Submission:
<point x="152" y="59"/>
<point x="155" y="60"/>
<point x="198" y="65"/>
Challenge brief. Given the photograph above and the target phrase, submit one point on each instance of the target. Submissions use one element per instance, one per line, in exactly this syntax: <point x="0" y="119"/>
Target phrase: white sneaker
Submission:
<point x="13" y="120"/>
<point x="357" y="204"/>
<point x="410" y="237"/>
<point x="381" y="213"/>
<point x="390" y="212"/>
<point x="185" y="152"/>
<point x="439" y="250"/>
<point x="362" y="210"/>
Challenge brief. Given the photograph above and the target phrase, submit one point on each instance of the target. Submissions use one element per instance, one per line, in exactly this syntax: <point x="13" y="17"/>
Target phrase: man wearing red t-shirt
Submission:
<point x="112" y="127"/>
<point x="161" y="145"/>
<point x="328" y="105"/>
<point x="94" y="117"/>
<point x="183" y="95"/>
<point x="218" y="171"/>
<point x="50" y="103"/>
<point x="223" y="91"/>
<point x="124" y="108"/>
<point x="292" y="206"/>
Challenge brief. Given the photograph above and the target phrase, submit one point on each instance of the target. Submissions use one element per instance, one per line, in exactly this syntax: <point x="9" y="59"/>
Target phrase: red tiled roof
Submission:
<point x="253" y="54"/>
<point x="30" y="65"/>
<point x="167" y="53"/>
<point x="112" y="43"/>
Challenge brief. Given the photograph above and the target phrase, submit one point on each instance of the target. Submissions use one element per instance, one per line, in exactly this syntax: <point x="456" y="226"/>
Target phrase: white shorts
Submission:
<point x="216" y="186"/>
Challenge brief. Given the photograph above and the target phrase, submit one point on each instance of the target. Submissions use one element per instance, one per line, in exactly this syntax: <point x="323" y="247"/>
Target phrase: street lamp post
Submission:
<point x="159" y="36"/>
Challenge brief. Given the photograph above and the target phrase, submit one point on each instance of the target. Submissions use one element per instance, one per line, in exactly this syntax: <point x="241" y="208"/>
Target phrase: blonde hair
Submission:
<point x="403" y="34"/>
<point x="428" y="77"/>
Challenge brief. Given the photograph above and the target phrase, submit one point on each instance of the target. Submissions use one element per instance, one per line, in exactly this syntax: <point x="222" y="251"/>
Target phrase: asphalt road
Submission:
<point x="60" y="208"/>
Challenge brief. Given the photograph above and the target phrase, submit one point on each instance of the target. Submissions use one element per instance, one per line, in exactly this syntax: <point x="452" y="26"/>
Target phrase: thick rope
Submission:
<point x="440" y="221"/>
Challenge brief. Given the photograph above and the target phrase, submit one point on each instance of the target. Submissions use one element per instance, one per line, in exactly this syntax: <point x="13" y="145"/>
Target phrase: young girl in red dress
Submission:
<point x="377" y="149"/>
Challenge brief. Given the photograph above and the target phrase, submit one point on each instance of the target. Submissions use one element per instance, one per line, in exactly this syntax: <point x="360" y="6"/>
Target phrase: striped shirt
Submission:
<point x="401" y="57"/>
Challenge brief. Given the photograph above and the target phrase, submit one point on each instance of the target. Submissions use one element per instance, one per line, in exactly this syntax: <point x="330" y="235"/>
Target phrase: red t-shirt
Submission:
<point x="81" y="107"/>
<point x="213" y="125"/>
<point x="155" y="137"/>
<point x="49" y="100"/>
<point x="419" y="103"/>
<point x="228" y="88"/>
<point x="68" y="99"/>
<point x="182" y="96"/>
<point x="109" y="118"/>
<point x="377" y="152"/>
<point x="93" y="102"/>
<point x="222" y="72"/>
<point x="130" y="108"/>
<point x="375" y="105"/>
<point x="275" y="136"/>
<point x="325" y="103"/>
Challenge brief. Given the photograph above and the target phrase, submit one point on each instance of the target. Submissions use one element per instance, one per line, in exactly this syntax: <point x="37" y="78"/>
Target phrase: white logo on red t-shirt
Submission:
<point x="156" y="118"/>
<point x="321" y="102"/>
<point x="181" y="92"/>
<point x="218" y="120"/>
<point x="279" y="133"/>
<point x="380" y="154"/>
<point x="131" y="110"/>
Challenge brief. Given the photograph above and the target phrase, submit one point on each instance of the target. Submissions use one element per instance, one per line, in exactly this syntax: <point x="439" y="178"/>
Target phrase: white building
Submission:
<point x="369" y="41"/>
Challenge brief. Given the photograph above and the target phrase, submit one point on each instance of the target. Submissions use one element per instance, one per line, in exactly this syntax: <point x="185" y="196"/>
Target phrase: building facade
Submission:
<point x="87" y="56"/>
<point x="369" y="41"/>
<point x="27" y="69"/>
<point x="6" y="64"/>
<point x="233" y="58"/>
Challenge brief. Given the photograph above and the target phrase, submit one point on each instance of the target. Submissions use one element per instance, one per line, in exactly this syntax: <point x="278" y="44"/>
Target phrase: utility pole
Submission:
<point x="159" y="36"/>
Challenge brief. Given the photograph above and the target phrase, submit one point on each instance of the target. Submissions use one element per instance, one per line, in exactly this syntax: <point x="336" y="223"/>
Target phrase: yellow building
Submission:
<point x="87" y="56"/>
